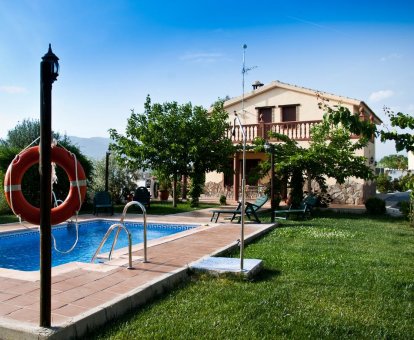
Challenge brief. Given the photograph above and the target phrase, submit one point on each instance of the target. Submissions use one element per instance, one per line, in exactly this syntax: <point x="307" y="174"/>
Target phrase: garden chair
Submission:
<point x="304" y="209"/>
<point x="143" y="196"/>
<point x="250" y="210"/>
<point x="102" y="201"/>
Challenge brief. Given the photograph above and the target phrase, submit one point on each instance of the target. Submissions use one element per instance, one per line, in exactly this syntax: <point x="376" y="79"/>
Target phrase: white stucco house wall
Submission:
<point x="410" y="160"/>
<point x="291" y="110"/>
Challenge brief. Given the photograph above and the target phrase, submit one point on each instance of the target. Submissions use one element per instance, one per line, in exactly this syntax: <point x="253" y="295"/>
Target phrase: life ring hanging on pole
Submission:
<point x="16" y="199"/>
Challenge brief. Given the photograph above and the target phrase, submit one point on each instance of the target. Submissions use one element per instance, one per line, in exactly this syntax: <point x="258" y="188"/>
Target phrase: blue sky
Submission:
<point x="115" y="52"/>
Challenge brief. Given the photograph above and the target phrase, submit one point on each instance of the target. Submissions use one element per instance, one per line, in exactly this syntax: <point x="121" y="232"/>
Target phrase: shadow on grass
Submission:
<point x="267" y="274"/>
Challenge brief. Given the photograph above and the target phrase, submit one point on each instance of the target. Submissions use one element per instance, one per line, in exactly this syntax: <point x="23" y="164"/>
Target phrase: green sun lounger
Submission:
<point x="250" y="210"/>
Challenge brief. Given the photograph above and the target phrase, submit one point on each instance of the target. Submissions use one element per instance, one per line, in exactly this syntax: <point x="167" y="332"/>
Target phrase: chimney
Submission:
<point x="257" y="84"/>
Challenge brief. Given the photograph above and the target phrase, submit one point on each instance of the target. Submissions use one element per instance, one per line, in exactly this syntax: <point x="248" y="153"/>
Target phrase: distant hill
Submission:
<point x="93" y="147"/>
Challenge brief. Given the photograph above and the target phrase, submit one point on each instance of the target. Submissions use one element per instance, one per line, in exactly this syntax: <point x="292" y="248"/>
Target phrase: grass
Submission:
<point x="334" y="276"/>
<point x="157" y="208"/>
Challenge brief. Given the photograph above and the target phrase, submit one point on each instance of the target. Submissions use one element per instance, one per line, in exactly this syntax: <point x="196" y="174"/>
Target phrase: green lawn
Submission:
<point x="335" y="276"/>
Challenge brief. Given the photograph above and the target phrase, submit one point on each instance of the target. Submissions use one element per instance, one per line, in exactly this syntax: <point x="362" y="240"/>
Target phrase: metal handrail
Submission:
<point x="109" y="231"/>
<point x="122" y="226"/>
<point x="144" y="213"/>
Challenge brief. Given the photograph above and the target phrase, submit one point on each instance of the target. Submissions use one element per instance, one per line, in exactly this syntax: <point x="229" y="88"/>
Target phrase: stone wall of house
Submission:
<point x="215" y="190"/>
<point x="352" y="193"/>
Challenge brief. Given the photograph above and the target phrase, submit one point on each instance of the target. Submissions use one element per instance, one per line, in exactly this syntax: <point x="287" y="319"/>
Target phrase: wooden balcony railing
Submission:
<point x="299" y="131"/>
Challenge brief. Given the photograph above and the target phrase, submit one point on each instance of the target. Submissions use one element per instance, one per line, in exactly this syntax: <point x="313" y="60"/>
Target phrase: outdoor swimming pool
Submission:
<point x="20" y="250"/>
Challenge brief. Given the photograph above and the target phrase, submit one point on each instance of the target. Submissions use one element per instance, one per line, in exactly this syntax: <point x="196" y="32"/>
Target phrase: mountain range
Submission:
<point x="93" y="147"/>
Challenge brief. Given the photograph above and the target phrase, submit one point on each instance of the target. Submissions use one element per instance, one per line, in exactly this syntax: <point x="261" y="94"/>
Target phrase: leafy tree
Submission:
<point x="120" y="179"/>
<point x="175" y="140"/>
<point x="330" y="154"/>
<point x="404" y="140"/>
<point x="396" y="162"/>
<point x="22" y="136"/>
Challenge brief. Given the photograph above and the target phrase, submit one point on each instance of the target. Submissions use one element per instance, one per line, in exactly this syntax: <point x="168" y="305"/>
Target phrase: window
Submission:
<point x="264" y="114"/>
<point x="288" y="113"/>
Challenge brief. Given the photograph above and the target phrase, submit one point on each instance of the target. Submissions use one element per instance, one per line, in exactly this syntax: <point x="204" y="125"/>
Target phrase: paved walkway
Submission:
<point x="86" y="296"/>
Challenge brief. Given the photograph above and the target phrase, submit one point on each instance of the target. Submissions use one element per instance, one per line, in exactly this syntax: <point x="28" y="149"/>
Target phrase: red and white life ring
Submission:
<point x="16" y="199"/>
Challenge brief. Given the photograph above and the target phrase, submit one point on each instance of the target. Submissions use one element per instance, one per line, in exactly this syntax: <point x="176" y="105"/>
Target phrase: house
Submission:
<point x="290" y="110"/>
<point x="410" y="160"/>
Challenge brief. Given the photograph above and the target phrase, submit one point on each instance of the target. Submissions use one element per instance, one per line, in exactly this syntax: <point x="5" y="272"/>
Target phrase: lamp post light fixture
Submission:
<point x="271" y="149"/>
<point x="49" y="71"/>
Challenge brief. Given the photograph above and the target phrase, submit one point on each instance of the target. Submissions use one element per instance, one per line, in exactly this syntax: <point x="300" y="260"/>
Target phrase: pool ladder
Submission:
<point x="118" y="227"/>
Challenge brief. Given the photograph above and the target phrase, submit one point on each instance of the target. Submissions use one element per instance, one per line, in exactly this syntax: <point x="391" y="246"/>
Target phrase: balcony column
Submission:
<point x="236" y="176"/>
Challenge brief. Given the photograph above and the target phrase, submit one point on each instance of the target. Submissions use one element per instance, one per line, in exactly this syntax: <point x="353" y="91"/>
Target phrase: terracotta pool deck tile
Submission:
<point x="100" y="285"/>
<point x="126" y="274"/>
<point x="70" y="310"/>
<point x="68" y="275"/>
<point x="104" y="295"/>
<point x="76" y="281"/>
<point x="134" y="283"/>
<point x="25" y="315"/>
<point x="26" y="288"/>
<point x="55" y="304"/>
<point x="63" y="286"/>
<point x="9" y="283"/>
<point x="88" y="302"/>
<point x="6" y="309"/>
<point x="73" y="294"/>
<point x="7" y="296"/>
<point x="22" y="300"/>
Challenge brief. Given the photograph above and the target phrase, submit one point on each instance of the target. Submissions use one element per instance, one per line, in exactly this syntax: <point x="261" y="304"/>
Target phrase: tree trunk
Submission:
<point x="175" y="191"/>
<point x="184" y="188"/>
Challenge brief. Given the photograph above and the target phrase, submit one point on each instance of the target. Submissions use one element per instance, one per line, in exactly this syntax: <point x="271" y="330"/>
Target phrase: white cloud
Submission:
<point x="202" y="57"/>
<point x="380" y="95"/>
<point x="391" y="57"/>
<point x="12" y="89"/>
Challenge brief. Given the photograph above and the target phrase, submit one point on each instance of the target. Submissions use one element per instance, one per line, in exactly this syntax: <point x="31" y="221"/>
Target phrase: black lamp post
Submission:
<point x="49" y="71"/>
<point x="107" y="170"/>
<point x="271" y="148"/>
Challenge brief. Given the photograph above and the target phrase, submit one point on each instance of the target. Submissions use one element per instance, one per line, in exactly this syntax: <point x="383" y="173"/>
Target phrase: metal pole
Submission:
<point x="243" y="193"/>
<point x="272" y="184"/>
<point x="244" y="166"/>
<point x="45" y="169"/>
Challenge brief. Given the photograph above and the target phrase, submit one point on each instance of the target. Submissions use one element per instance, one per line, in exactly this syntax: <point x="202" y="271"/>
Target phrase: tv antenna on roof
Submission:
<point x="244" y="71"/>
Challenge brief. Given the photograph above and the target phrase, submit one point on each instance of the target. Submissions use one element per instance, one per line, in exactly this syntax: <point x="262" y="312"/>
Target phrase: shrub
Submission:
<point x="375" y="206"/>
<point x="383" y="183"/>
<point x="223" y="200"/>
<point x="407" y="182"/>
<point x="404" y="207"/>
<point x="407" y="209"/>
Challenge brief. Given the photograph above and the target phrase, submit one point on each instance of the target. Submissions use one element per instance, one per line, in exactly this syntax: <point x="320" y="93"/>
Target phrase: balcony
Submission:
<point x="299" y="131"/>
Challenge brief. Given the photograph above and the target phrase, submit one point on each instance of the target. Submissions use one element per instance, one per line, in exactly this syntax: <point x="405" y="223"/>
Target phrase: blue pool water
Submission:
<point x="20" y="250"/>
